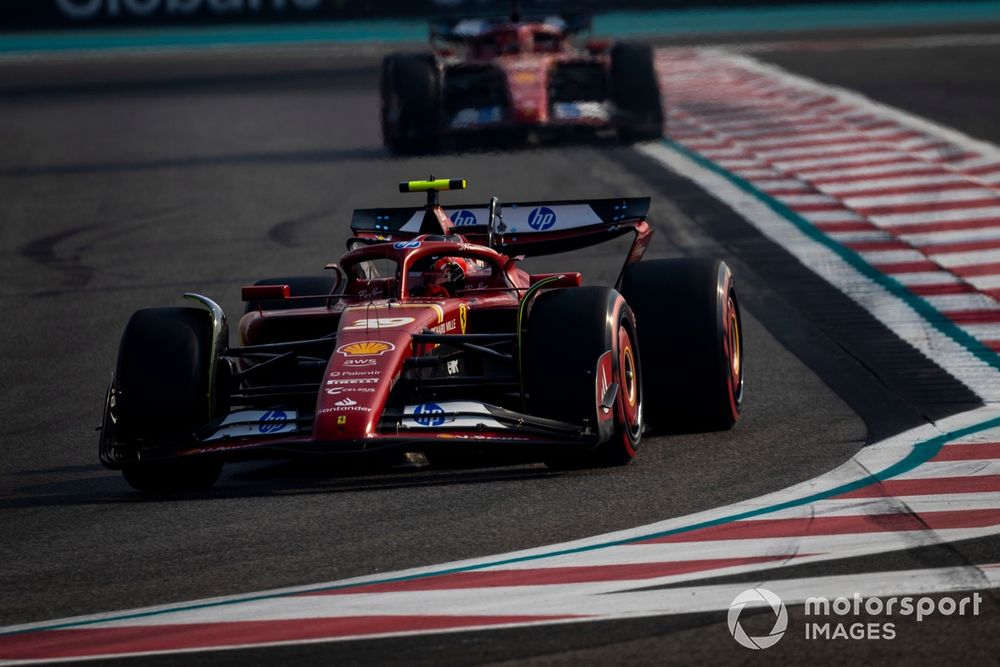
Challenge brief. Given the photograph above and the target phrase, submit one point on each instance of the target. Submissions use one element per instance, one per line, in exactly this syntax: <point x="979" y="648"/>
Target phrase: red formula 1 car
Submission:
<point x="516" y="77"/>
<point x="428" y="337"/>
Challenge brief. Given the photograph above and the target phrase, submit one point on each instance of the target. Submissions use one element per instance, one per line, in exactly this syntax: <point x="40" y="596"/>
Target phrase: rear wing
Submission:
<point x="526" y="228"/>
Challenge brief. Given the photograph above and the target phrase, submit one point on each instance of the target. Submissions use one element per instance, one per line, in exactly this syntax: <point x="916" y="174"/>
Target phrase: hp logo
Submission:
<point x="541" y="218"/>
<point x="272" y="421"/>
<point x="429" y="414"/>
<point x="464" y="218"/>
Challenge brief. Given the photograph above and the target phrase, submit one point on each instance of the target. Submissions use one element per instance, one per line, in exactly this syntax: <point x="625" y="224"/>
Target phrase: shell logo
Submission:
<point x="367" y="348"/>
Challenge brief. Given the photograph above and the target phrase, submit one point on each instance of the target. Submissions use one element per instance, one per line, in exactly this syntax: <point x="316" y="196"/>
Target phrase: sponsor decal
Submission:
<point x="359" y="362"/>
<point x="406" y="245"/>
<point x="91" y="9"/>
<point x="445" y="327"/>
<point x="463" y="316"/>
<point x="457" y="414"/>
<point x="472" y="116"/>
<point x="367" y="372"/>
<point x="452" y="367"/>
<point x="353" y="381"/>
<point x="541" y="218"/>
<point x="367" y="348"/>
<point x="333" y="391"/>
<point x="272" y="421"/>
<point x="464" y="218"/>
<point x="340" y="409"/>
<point x="346" y="401"/>
<point x="246" y="423"/>
<point x="429" y="414"/>
<point x="379" y="323"/>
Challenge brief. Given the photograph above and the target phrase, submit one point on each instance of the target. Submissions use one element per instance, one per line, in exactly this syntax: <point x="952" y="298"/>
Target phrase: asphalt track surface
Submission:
<point x="126" y="183"/>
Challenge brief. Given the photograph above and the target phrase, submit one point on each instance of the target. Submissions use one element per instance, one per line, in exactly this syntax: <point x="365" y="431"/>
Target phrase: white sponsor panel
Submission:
<point x="259" y="423"/>
<point x="442" y="415"/>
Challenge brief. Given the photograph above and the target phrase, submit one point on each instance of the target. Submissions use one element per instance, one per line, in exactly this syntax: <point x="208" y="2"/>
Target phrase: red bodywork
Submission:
<point x="527" y="54"/>
<point x="372" y="336"/>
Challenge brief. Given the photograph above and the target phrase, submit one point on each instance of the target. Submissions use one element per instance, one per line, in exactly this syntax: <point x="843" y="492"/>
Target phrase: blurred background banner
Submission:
<point x="56" y="14"/>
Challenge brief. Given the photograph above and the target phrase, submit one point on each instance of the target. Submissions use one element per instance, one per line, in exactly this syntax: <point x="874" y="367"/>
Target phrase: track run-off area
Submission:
<point x="899" y="214"/>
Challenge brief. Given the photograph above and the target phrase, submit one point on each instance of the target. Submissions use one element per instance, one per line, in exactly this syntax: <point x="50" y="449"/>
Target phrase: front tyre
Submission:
<point x="161" y="395"/>
<point x="578" y="342"/>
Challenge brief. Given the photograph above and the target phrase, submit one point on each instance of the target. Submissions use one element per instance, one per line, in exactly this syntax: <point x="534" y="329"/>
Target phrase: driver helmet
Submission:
<point x="448" y="273"/>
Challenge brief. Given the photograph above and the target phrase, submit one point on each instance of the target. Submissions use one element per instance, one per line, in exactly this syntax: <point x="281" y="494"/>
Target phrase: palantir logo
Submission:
<point x="758" y="595"/>
<point x="464" y="218"/>
<point x="541" y="218"/>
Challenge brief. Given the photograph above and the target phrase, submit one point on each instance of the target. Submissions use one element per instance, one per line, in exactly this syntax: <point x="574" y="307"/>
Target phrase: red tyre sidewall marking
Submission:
<point x="732" y="344"/>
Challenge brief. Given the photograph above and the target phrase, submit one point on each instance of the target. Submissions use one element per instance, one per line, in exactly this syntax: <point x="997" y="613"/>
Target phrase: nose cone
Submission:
<point x="357" y="383"/>
<point x="528" y="93"/>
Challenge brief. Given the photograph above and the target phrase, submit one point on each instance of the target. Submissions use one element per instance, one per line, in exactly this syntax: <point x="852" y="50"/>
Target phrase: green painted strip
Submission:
<point x="890" y="284"/>
<point x="183" y="38"/>
<point x="807" y="16"/>
<point x="621" y="23"/>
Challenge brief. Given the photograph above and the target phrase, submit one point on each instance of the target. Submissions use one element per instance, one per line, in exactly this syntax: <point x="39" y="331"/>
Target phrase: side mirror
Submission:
<point x="495" y="224"/>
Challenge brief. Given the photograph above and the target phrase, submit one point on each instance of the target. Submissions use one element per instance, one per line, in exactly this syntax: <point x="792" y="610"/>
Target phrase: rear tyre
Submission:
<point x="636" y="92"/>
<point x="567" y="333"/>
<point x="162" y="395"/>
<point x="410" y="103"/>
<point x="298" y="286"/>
<point x="691" y="337"/>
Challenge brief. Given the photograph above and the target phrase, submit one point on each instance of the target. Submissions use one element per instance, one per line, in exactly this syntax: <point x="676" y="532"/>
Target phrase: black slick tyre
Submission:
<point x="691" y="336"/>
<point x="161" y="389"/>
<point x="566" y="335"/>
<point x="636" y="92"/>
<point x="410" y="103"/>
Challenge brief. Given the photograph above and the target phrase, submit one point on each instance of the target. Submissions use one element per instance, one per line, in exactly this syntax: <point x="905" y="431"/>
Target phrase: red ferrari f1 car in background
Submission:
<point x="517" y="77"/>
<point x="428" y="337"/>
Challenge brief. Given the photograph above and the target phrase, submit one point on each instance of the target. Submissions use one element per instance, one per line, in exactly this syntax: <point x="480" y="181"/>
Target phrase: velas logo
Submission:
<point x="367" y="348"/>
<point x="92" y="9"/>
<point x="757" y="597"/>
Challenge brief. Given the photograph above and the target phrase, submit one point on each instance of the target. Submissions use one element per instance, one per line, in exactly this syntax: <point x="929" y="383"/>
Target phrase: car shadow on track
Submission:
<point x="98" y="486"/>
